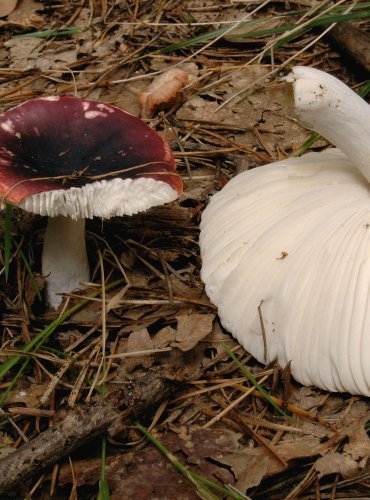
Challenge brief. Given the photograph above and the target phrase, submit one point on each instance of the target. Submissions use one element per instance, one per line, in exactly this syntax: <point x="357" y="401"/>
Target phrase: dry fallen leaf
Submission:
<point x="264" y="111"/>
<point x="26" y="15"/>
<point x="191" y="328"/>
<point x="355" y="457"/>
<point x="139" y="341"/>
<point x="25" y="53"/>
<point x="28" y="395"/>
<point x="164" y="91"/>
<point x="7" y="6"/>
<point x="251" y="465"/>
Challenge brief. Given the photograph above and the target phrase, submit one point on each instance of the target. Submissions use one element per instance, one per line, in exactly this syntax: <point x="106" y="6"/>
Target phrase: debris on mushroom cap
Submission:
<point x="75" y="157"/>
<point x="289" y="243"/>
<point x="163" y="91"/>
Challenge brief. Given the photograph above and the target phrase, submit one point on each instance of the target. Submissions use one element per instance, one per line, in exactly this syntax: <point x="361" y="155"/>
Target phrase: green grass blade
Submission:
<point x="322" y="21"/>
<point x="309" y="142"/>
<point x="45" y="34"/>
<point x="221" y="31"/>
<point x="35" y="344"/>
<point x="8" y="242"/>
<point x="254" y="381"/>
<point x="365" y="89"/>
<point x="200" y="483"/>
<point x="335" y="16"/>
<point x="103" y="483"/>
<point x="7" y="238"/>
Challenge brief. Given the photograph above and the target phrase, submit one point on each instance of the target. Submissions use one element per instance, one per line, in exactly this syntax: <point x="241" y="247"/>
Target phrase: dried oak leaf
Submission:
<point x="25" y="15"/>
<point x="191" y="328"/>
<point x="356" y="454"/>
<point x="251" y="465"/>
<point x="7" y="6"/>
<point x="27" y="394"/>
<point x="139" y="341"/>
<point x="265" y="109"/>
<point x="164" y="91"/>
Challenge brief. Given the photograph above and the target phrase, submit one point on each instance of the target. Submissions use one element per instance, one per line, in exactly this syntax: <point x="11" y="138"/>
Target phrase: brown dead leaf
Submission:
<point x="264" y="110"/>
<point x="191" y="328"/>
<point x="124" y="95"/>
<point x="354" y="458"/>
<point x="29" y="395"/>
<point x="358" y="447"/>
<point x="164" y="337"/>
<point x="147" y="475"/>
<point x="7" y="6"/>
<point x="337" y="463"/>
<point x="25" y="15"/>
<point x="201" y="443"/>
<point x="23" y="51"/>
<point x="163" y="92"/>
<point x="139" y="341"/>
<point x="27" y="54"/>
<point x="251" y="465"/>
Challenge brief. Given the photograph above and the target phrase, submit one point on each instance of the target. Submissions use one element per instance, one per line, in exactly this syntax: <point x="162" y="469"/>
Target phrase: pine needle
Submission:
<point x="254" y="381"/>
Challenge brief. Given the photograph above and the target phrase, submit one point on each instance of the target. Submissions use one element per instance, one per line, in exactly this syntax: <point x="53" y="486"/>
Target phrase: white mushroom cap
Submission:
<point x="295" y="236"/>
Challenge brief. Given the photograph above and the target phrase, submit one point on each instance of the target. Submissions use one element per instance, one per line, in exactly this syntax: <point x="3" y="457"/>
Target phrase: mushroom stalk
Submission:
<point x="64" y="257"/>
<point x="325" y="104"/>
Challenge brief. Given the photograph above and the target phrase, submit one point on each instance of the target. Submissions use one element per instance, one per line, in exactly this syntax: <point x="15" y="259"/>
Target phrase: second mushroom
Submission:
<point x="286" y="246"/>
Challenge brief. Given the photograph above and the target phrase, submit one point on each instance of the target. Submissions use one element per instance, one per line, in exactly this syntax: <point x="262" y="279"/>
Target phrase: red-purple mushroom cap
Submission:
<point x="72" y="159"/>
<point x="90" y="158"/>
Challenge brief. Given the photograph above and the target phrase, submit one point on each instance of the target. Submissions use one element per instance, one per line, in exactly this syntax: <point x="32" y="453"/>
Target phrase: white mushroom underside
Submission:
<point x="104" y="199"/>
<point x="295" y="235"/>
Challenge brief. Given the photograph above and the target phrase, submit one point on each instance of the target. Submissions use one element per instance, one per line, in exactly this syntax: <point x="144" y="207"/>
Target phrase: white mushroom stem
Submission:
<point x="325" y="104"/>
<point x="64" y="257"/>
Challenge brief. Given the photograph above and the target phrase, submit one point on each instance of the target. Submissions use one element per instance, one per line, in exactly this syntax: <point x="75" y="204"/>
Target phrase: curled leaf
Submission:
<point x="164" y="91"/>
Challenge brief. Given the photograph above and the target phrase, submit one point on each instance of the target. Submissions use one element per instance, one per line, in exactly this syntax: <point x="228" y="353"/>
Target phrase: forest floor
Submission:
<point x="79" y="402"/>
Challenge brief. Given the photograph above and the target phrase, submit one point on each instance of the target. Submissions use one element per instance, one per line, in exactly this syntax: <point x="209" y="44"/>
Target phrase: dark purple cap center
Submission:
<point x="80" y="141"/>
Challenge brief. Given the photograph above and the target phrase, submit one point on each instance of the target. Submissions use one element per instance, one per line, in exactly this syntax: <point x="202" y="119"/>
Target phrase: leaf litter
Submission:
<point x="164" y="362"/>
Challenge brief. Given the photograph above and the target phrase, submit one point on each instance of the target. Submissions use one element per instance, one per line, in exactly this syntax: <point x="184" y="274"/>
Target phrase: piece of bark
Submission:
<point x="78" y="427"/>
<point x="82" y="424"/>
<point x="146" y="391"/>
<point x="354" y="41"/>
